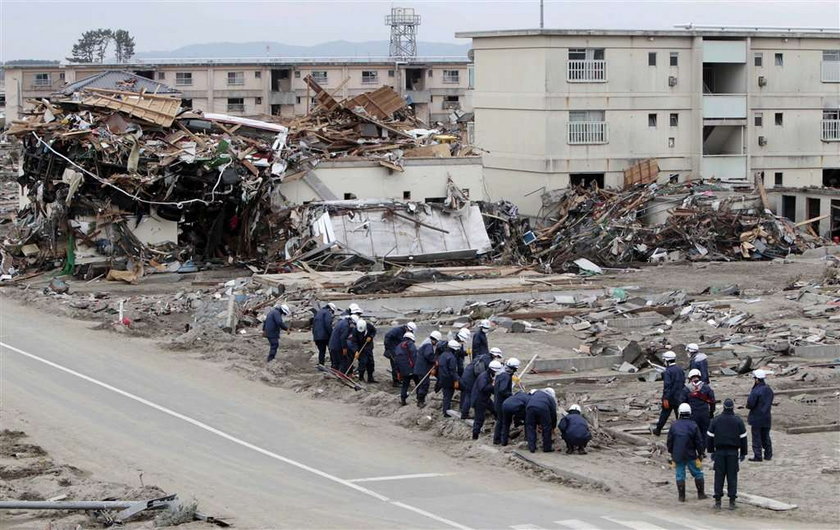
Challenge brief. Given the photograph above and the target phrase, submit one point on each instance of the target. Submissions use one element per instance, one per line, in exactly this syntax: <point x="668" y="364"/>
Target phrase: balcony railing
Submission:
<point x="587" y="132"/>
<point x="236" y="107"/>
<point x="451" y="105"/>
<point x="587" y="71"/>
<point x="831" y="71"/>
<point x="831" y="130"/>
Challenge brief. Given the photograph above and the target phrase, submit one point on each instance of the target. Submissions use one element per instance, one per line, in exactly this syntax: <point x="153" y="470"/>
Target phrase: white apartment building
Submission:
<point x="554" y="107"/>
<point x="435" y="86"/>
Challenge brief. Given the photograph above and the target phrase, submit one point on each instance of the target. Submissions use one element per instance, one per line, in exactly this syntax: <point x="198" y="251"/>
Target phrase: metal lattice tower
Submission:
<point x="403" y="24"/>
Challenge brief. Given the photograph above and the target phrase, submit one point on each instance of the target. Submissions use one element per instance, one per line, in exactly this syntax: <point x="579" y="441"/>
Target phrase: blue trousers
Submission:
<point x="273" y="344"/>
<point x="696" y="472"/>
<point x="761" y="440"/>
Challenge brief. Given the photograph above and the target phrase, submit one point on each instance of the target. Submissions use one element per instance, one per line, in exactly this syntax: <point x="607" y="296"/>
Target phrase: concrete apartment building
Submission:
<point x="554" y="107"/>
<point x="436" y="86"/>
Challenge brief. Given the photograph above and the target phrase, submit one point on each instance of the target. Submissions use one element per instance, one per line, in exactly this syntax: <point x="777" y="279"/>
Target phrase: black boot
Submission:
<point x="732" y="503"/>
<point x="717" y="503"/>
<point x="569" y="449"/>
<point x="371" y="379"/>
<point x="581" y="450"/>
<point x="701" y="488"/>
<point x="402" y="402"/>
<point x="656" y="431"/>
<point x="681" y="491"/>
<point x="421" y="403"/>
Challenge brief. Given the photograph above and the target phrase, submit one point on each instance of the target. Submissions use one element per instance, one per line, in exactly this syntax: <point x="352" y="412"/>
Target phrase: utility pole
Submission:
<point x="542" y="19"/>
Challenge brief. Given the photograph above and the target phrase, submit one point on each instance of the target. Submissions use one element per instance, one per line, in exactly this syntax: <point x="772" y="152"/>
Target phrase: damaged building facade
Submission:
<point x="560" y="107"/>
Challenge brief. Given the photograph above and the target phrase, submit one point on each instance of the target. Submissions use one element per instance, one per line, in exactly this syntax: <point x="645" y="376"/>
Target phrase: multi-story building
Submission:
<point x="558" y="107"/>
<point x="435" y="86"/>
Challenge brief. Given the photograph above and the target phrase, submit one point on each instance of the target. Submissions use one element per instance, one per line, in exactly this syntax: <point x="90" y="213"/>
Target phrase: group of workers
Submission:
<point x="698" y="431"/>
<point x="487" y="385"/>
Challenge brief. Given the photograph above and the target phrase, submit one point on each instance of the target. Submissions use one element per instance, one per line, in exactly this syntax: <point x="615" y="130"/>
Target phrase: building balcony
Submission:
<point x="830" y="72"/>
<point x="830" y="131"/>
<point x="587" y="71"/>
<point x="724" y="51"/>
<point x="587" y="132"/>
<point x="724" y="167"/>
<point x="722" y="106"/>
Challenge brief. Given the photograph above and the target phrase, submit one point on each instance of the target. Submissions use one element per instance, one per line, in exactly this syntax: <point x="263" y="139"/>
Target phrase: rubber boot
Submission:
<point x="717" y="503"/>
<point x="701" y="488"/>
<point x="681" y="491"/>
<point x="731" y="503"/>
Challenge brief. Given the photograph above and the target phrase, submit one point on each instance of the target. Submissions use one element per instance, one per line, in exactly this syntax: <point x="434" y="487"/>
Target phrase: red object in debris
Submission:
<point x="126" y="322"/>
<point x="836" y="240"/>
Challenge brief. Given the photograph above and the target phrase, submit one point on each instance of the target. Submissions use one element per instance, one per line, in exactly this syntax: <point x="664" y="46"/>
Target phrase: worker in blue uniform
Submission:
<point x="759" y="403"/>
<point x="686" y="445"/>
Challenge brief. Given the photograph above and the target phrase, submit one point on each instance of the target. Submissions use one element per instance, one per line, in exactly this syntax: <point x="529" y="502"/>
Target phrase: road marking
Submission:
<point x="684" y="521"/>
<point x="526" y="527"/>
<point x="400" y="477"/>
<point x="230" y="437"/>
<point x="635" y="525"/>
<point x="577" y="524"/>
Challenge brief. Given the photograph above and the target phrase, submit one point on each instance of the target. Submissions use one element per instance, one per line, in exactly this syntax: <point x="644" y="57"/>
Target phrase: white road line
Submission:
<point x="635" y="525"/>
<point x="577" y="524"/>
<point x="684" y="521"/>
<point x="526" y="527"/>
<point x="400" y="477"/>
<point x="236" y="440"/>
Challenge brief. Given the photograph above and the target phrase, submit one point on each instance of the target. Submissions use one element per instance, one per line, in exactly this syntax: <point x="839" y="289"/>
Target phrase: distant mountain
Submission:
<point x="277" y="49"/>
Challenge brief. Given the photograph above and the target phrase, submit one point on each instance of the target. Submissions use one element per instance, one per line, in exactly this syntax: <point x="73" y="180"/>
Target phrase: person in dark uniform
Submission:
<point x="701" y="398"/>
<point x="513" y="411"/>
<point x="480" y="345"/>
<point x="686" y="445"/>
<point x="698" y="360"/>
<point x="404" y="358"/>
<point x="482" y="396"/>
<point x="392" y="339"/>
<point x="464" y="336"/>
<point x="448" y="373"/>
<point x="272" y="327"/>
<point x="759" y="402"/>
<point x="574" y="431"/>
<point x="367" y="363"/>
<point x="503" y="389"/>
<point x="322" y="326"/>
<point x="542" y="410"/>
<point x="673" y="381"/>
<point x="727" y="436"/>
<point x="424" y="366"/>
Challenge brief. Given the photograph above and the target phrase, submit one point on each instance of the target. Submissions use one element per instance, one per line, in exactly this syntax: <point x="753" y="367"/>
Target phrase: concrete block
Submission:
<point x="637" y="322"/>
<point x="578" y="363"/>
<point x="820" y="252"/>
<point x="821" y="351"/>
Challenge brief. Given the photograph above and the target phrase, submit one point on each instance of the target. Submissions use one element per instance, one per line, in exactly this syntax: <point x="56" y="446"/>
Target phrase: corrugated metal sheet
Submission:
<point x="119" y="80"/>
<point x="381" y="103"/>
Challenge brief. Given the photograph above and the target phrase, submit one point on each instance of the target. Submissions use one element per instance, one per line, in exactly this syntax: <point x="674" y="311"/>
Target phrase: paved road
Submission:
<point x="265" y="457"/>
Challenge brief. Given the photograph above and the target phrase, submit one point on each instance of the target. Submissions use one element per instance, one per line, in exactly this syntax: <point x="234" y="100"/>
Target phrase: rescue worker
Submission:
<point x="727" y="436"/>
<point x="424" y="366"/>
<point x="701" y="398"/>
<point x="542" y="410"/>
<point x="513" y="412"/>
<point x="367" y="362"/>
<point x="503" y="389"/>
<point x="699" y="361"/>
<point x="480" y="345"/>
<point x="404" y="359"/>
<point x="673" y="381"/>
<point x="759" y="403"/>
<point x="481" y="396"/>
<point x="272" y="327"/>
<point x="322" y="326"/>
<point x="391" y="341"/>
<point x="471" y="372"/>
<point x="360" y="348"/>
<point x="685" y="443"/>
<point x="463" y="336"/>
<point x="338" y="340"/>
<point x="448" y="373"/>
<point x="574" y="431"/>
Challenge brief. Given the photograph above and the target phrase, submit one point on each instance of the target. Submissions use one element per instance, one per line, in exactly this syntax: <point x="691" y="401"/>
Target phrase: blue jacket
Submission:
<point x="541" y="400"/>
<point x="727" y="432"/>
<point x="502" y="387"/>
<point x="338" y="338"/>
<point x="516" y="403"/>
<point x="447" y="368"/>
<point x="369" y="334"/>
<point x="425" y="359"/>
<point x="760" y="402"/>
<point x="479" y="344"/>
<point x="483" y="388"/>
<point x="357" y="342"/>
<point x="574" y="429"/>
<point x="404" y="357"/>
<point x="322" y="324"/>
<point x="685" y="443"/>
<point x="700" y="362"/>
<point x="701" y="402"/>
<point x="673" y="383"/>
<point x="274" y="324"/>
<point x="394" y="337"/>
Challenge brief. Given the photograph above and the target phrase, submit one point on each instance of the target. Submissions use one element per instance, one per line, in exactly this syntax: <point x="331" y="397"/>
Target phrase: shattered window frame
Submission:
<point x="370" y="77"/>
<point x="183" y="79"/>
<point x="236" y="78"/>
<point x="452" y="77"/>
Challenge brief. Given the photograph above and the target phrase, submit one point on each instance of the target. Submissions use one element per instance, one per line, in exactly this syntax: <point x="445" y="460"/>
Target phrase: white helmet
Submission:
<point x="513" y="362"/>
<point x="355" y="318"/>
<point x="692" y="348"/>
<point x="484" y="324"/>
<point x="759" y="374"/>
<point x="496" y="353"/>
<point x="669" y="356"/>
<point x="361" y="325"/>
<point x="285" y="309"/>
<point x="332" y="307"/>
<point x="464" y="334"/>
<point x="496" y="366"/>
<point x="454" y="345"/>
<point x="435" y="335"/>
<point x="575" y="407"/>
<point x="357" y="311"/>
<point x="694" y="372"/>
<point x="411" y="326"/>
<point x="684" y="408"/>
<point x="354" y="308"/>
<point x="550" y="391"/>
<point x="408" y="335"/>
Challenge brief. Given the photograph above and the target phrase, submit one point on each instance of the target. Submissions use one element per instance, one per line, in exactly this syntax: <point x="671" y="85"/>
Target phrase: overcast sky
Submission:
<point x="47" y="29"/>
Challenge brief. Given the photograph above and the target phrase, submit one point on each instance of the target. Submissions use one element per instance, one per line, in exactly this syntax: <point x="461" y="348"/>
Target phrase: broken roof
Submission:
<point x="119" y="80"/>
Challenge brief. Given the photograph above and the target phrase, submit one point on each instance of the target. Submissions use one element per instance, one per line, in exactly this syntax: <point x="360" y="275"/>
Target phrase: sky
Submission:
<point x="35" y="29"/>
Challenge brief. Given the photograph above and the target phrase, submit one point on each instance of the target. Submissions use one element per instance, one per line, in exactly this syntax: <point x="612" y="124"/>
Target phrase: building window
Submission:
<point x="320" y="76"/>
<point x="672" y="141"/>
<point x="758" y="119"/>
<point x="780" y="118"/>
<point x="451" y="103"/>
<point x="586" y="65"/>
<point x="407" y="195"/>
<point x="236" y="78"/>
<point x="370" y="77"/>
<point x="675" y="119"/>
<point x="183" y="79"/>
<point x="651" y="120"/>
<point x="258" y="101"/>
<point x="186" y="103"/>
<point x="831" y="66"/>
<point x="831" y="125"/>
<point x="391" y="73"/>
<point x="780" y="59"/>
<point x="297" y="74"/>
<point x="452" y="76"/>
<point x="651" y="58"/>
<point x="587" y="127"/>
<point x="236" y="105"/>
<point x="161" y="75"/>
<point x="349" y="196"/>
<point x="42" y="80"/>
<point x="778" y="178"/>
<point x="257" y="75"/>
<point x="758" y="59"/>
<point x="675" y="58"/>
<point x="297" y="100"/>
<point x="431" y="72"/>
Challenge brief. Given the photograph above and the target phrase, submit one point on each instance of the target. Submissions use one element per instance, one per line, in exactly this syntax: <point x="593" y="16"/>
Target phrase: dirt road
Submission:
<point x="264" y="457"/>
